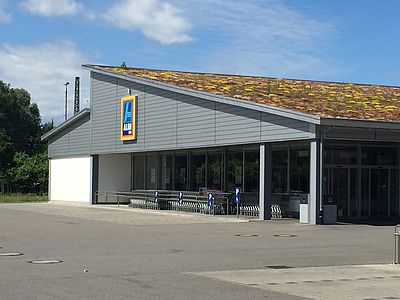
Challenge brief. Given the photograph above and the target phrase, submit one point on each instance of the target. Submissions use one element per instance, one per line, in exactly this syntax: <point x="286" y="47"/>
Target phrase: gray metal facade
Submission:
<point x="168" y="120"/>
<point x="72" y="141"/>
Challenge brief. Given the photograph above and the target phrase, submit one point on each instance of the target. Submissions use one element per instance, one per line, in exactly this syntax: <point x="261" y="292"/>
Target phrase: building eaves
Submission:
<point x="368" y="124"/>
<point x="65" y="124"/>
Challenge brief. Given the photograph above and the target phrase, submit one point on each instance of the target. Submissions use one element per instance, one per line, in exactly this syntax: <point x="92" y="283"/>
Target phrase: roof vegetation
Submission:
<point x="324" y="99"/>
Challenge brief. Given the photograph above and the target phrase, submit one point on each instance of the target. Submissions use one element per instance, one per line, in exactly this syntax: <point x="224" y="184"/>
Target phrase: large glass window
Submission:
<point x="180" y="172"/>
<point x="279" y="171"/>
<point x="234" y="168"/>
<point x="378" y="156"/>
<point x="166" y="171"/>
<point x="214" y="171"/>
<point x="251" y="170"/>
<point x="340" y="155"/>
<point x="198" y="171"/>
<point x="139" y="174"/>
<point x="299" y="170"/>
<point x="151" y="172"/>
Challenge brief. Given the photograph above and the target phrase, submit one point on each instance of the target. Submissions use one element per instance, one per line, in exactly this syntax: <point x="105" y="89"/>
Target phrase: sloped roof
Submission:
<point x="322" y="99"/>
<point x="66" y="124"/>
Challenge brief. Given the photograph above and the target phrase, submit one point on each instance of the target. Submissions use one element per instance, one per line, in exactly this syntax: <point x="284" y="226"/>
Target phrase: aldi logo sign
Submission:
<point x="128" y="118"/>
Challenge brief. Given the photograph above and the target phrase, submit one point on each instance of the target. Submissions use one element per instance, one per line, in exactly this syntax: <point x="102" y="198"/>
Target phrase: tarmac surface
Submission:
<point x="122" y="253"/>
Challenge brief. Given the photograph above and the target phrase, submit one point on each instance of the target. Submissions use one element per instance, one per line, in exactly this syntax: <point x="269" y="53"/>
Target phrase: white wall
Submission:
<point x="71" y="179"/>
<point x="115" y="172"/>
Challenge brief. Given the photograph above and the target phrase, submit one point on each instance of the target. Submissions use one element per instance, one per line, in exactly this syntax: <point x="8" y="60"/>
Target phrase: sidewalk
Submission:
<point x="328" y="283"/>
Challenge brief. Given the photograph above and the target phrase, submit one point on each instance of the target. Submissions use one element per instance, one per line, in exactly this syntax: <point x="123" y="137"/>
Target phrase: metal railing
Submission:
<point x="169" y="200"/>
<point x="223" y="203"/>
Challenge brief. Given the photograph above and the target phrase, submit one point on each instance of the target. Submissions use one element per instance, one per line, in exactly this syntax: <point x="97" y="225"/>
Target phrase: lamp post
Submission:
<point x="66" y="100"/>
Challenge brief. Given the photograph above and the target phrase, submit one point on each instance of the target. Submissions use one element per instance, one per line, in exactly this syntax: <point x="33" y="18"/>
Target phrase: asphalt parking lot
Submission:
<point x="110" y="253"/>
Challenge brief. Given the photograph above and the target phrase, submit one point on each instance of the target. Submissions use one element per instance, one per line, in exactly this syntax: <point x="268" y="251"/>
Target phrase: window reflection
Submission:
<point x="234" y="168"/>
<point x="180" y="172"/>
<point x="214" y="171"/>
<point x="251" y="170"/>
<point x="198" y="171"/>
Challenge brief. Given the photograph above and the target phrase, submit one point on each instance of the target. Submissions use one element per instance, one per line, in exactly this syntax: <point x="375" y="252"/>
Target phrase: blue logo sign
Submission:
<point x="128" y="118"/>
<point x="180" y="198"/>
<point x="127" y="121"/>
<point x="156" y="196"/>
<point x="237" y="195"/>
<point x="210" y="199"/>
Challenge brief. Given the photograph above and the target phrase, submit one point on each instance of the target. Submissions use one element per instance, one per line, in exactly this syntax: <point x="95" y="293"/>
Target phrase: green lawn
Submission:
<point x="17" y="198"/>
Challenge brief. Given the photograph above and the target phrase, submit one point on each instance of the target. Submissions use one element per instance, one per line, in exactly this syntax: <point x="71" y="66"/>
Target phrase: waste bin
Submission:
<point x="329" y="209"/>
<point x="304" y="209"/>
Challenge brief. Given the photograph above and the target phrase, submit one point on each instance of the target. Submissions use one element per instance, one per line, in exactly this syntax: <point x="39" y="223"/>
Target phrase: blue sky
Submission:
<point x="44" y="42"/>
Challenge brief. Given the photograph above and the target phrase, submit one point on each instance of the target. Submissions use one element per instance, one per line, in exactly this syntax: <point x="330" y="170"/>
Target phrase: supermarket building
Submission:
<point x="283" y="142"/>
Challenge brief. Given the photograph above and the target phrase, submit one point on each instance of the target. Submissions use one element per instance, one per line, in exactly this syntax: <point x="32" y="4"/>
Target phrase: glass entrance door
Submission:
<point x="342" y="184"/>
<point x="379" y="192"/>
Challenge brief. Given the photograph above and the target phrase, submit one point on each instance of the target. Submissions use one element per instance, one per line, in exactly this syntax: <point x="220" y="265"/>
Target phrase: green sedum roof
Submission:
<point x="323" y="99"/>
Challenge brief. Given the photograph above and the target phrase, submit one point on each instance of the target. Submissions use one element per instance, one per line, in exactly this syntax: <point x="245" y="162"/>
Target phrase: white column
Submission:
<point x="265" y="182"/>
<point x="314" y="182"/>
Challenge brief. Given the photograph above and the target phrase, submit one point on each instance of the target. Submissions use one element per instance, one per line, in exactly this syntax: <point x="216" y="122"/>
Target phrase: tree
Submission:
<point x="19" y="118"/>
<point x="6" y="153"/>
<point x="30" y="173"/>
<point x="23" y="158"/>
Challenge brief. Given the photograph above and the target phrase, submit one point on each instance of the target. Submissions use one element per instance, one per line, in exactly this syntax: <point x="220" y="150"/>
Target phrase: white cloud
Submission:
<point x="42" y="70"/>
<point x="158" y="20"/>
<point x="52" y="8"/>
<point x="265" y="37"/>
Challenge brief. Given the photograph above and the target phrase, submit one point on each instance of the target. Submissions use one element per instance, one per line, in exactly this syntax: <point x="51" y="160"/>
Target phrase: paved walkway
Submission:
<point x="122" y="214"/>
<point x="359" y="282"/>
<point x="144" y="254"/>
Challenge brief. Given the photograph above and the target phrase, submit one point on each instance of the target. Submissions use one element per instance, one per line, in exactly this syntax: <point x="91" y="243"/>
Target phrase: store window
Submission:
<point x="378" y="156"/>
<point x="279" y="171"/>
<point x="166" y="171"/>
<point x="214" y="171"/>
<point x="139" y="173"/>
<point x="151" y="172"/>
<point x="251" y="170"/>
<point x="198" y="171"/>
<point x="340" y="155"/>
<point x="180" y="172"/>
<point x="299" y="170"/>
<point x="234" y="168"/>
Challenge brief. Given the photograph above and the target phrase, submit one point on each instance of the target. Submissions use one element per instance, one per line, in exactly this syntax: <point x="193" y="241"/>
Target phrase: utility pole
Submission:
<point x="66" y="100"/>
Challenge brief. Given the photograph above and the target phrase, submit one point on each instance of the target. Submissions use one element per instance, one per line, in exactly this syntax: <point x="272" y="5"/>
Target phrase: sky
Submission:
<point x="43" y="43"/>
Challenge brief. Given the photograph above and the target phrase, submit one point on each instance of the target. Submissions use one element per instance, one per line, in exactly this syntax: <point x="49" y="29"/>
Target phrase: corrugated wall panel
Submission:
<point x="276" y="128"/>
<point x="72" y="141"/>
<point x="160" y="119"/>
<point x="78" y="138"/>
<point x="167" y="120"/>
<point x="58" y="146"/>
<point x="104" y="113"/>
<point x="236" y="125"/>
<point x="195" y="122"/>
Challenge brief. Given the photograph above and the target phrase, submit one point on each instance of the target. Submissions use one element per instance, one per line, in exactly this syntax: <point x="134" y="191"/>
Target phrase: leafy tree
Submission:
<point x="19" y="118"/>
<point x="23" y="158"/>
<point x="6" y="152"/>
<point x="30" y="172"/>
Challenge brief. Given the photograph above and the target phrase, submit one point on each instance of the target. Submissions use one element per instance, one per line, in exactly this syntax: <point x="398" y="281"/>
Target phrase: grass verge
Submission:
<point x="19" y="198"/>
